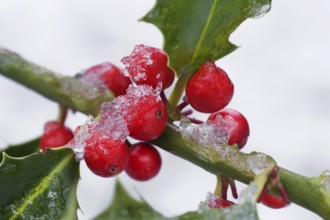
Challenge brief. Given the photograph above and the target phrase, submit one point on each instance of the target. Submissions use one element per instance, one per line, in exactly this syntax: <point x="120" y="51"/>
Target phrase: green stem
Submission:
<point x="306" y="192"/>
<point x="218" y="188"/>
<point x="178" y="91"/>
<point x="310" y="193"/>
<point x="63" y="111"/>
<point x="261" y="180"/>
<point x="50" y="84"/>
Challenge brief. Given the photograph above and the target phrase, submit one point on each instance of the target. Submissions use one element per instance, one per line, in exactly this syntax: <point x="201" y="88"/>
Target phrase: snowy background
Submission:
<point x="281" y="74"/>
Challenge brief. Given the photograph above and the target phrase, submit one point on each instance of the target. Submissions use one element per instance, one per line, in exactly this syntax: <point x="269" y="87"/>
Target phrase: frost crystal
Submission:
<point x="206" y="133"/>
<point x="88" y="86"/>
<point x="210" y="140"/>
<point x="143" y="90"/>
<point x="122" y="105"/>
<point x="51" y="194"/>
<point x="245" y="209"/>
<point x="257" y="163"/>
<point x="114" y="127"/>
<point x="141" y="57"/>
<point x="81" y="134"/>
<point x="211" y="200"/>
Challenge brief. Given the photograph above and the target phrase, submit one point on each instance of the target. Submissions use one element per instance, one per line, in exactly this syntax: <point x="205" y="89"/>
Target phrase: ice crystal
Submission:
<point x="140" y="58"/>
<point x="205" y="134"/>
<point x="114" y="127"/>
<point x="89" y="86"/>
<point x="210" y="141"/>
<point x="211" y="200"/>
<point x="122" y="105"/>
<point x="245" y="209"/>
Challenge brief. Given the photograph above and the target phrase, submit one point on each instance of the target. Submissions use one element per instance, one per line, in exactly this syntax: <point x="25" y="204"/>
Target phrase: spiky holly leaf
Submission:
<point x="22" y="150"/>
<point x="199" y="30"/>
<point x="125" y="207"/>
<point x="39" y="186"/>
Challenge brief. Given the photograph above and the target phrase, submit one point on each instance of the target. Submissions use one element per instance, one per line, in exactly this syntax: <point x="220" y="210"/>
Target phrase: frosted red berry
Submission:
<point x="105" y="156"/>
<point x="235" y="124"/>
<point x="142" y="109"/>
<point x="273" y="201"/>
<point x="55" y="135"/>
<point x="110" y="75"/>
<point x="148" y="120"/>
<point x="209" y="89"/>
<point x="144" y="162"/>
<point x="148" y="65"/>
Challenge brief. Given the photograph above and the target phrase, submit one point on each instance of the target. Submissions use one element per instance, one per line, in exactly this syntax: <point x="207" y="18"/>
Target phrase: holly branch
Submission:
<point x="193" y="34"/>
<point x="310" y="193"/>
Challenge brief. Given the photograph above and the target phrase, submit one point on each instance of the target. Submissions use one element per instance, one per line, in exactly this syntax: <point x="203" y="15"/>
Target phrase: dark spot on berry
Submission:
<point x="159" y="114"/>
<point x="113" y="170"/>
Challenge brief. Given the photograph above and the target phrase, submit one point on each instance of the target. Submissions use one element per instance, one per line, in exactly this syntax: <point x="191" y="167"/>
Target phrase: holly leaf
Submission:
<point x="24" y="149"/>
<point x="199" y="30"/>
<point x="125" y="207"/>
<point x="39" y="186"/>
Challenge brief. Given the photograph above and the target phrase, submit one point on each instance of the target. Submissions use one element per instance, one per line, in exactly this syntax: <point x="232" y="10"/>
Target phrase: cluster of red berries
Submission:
<point x="137" y="112"/>
<point x="140" y="112"/>
<point x="139" y="108"/>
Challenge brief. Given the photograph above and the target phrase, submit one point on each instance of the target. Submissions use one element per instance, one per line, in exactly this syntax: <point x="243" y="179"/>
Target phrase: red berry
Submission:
<point x="235" y="123"/>
<point x="110" y="75"/>
<point x="148" y="65"/>
<point x="209" y="89"/>
<point x="55" y="135"/>
<point x="148" y="120"/>
<point x="143" y="111"/>
<point x="105" y="157"/>
<point x="144" y="162"/>
<point x="273" y="201"/>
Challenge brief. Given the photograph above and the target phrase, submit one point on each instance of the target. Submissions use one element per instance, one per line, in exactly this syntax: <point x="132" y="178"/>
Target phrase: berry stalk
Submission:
<point x="178" y="90"/>
<point x="63" y="112"/>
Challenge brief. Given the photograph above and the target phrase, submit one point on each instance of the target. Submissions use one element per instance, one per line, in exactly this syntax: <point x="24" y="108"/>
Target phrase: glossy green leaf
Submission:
<point x="125" y="207"/>
<point x="39" y="186"/>
<point x="199" y="30"/>
<point x="24" y="149"/>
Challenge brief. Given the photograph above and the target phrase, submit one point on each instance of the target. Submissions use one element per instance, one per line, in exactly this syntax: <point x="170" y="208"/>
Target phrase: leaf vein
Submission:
<point x="206" y="27"/>
<point x="41" y="187"/>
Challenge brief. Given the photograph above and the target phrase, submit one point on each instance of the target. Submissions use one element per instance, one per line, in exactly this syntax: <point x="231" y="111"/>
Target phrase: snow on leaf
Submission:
<point x="46" y="188"/>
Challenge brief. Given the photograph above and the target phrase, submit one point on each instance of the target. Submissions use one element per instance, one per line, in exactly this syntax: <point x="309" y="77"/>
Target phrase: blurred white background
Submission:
<point x="281" y="74"/>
